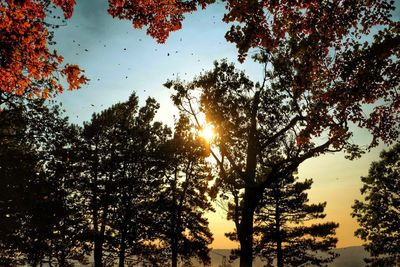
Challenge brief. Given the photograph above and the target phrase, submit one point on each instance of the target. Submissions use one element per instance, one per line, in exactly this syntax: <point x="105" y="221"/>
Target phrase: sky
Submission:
<point x="119" y="60"/>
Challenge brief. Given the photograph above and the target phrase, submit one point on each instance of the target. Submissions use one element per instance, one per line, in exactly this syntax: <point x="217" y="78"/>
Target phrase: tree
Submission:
<point x="119" y="176"/>
<point x="27" y="66"/>
<point x="283" y="230"/>
<point x="265" y="131"/>
<point x="43" y="221"/>
<point x="17" y="167"/>
<point x="319" y="66"/>
<point x="378" y="214"/>
<point x="183" y="201"/>
<point x="138" y="180"/>
<point x="68" y="239"/>
<point x="162" y="17"/>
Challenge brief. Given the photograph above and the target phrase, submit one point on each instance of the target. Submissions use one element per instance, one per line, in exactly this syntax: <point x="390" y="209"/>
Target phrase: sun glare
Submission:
<point x="207" y="132"/>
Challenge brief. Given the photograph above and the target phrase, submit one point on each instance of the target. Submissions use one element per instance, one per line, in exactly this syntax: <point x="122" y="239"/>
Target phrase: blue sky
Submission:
<point x="119" y="60"/>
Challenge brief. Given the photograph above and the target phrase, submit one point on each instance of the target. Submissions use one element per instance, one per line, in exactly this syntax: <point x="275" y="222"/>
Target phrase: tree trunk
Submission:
<point x="122" y="248"/>
<point x="245" y="233"/>
<point x="279" y="252"/>
<point x="62" y="259"/>
<point x="174" y="222"/>
<point x="98" y="245"/>
<point x="174" y="250"/>
<point x="252" y="194"/>
<point x="98" y="251"/>
<point x="246" y="243"/>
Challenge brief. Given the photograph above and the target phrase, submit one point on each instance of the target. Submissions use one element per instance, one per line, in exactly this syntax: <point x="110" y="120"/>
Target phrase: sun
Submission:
<point x="207" y="132"/>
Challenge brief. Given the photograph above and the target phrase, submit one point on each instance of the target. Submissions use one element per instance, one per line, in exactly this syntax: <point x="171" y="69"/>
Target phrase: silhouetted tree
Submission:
<point x="138" y="179"/>
<point x="119" y="176"/>
<point x="46" y="220"/>
<point x="282" y="226"/>
<point x="265" y="131"/>
<point x="379" y="213"/>
<point x="68" y="239"/>
<point x="183" y="199"/>
<point x="317" y="64"/>
<point x="18" y="162"/>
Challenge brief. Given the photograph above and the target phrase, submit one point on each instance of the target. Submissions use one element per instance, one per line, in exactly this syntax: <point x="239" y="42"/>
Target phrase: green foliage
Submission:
<point x="378" y="214"/>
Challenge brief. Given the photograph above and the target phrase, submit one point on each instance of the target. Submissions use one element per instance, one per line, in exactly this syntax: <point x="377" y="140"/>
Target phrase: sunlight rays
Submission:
<point x="207" y="132"/>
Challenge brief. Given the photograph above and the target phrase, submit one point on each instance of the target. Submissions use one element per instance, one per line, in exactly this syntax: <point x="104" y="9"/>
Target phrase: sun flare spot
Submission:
<point x="207" y="132"/>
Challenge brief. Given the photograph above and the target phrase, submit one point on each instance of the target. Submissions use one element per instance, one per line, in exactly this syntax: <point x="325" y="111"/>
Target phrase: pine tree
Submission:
<point x="18" y="162"/>
<point x="183" y="199"/>
<point x="282" y="226"/>
<point x="119" y="177"/>
<point x="43" y="221"/>
<point x="379" y="213"/>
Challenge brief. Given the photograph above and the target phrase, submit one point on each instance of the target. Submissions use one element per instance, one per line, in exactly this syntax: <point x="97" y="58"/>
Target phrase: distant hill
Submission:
<point x="349" y="257"/>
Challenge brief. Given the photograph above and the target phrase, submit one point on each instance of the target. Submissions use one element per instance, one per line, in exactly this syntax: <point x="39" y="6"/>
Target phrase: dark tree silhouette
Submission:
<point x="45" y="221"/>
<point x="183" y="199"/>
<point x="283" y="230"/>
<point x="265" y="131"/>
<point x="17" y="167"/>
<point x="68" y="239"/>
<point x="138" y="178"/>
<point x="378" y="214"/>
<point x="119" y="177"/>
<point x="318" y="68"/>
<point x="99" y="164"/>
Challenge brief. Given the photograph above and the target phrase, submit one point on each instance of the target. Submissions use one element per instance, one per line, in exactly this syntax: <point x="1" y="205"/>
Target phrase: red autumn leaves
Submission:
<point x="161" y="16"/>
<point x="27" y="66"/>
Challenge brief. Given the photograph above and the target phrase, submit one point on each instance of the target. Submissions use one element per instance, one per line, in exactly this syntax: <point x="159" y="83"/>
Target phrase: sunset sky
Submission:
<point x="119" y="60"/>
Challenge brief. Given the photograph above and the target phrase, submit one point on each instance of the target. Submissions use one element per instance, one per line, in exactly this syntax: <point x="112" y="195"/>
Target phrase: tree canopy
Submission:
<point x="27" y="65"/>
<point x="42" y="218"/>
<point x="379" y="212"/>
<point x="289" y="229"/>
<point x="328" y="67"/>
<point x="121" y="186"/>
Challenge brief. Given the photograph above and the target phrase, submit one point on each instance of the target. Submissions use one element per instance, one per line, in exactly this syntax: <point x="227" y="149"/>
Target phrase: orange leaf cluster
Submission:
<point x="74" y="77"/>
<point x="27" y="66"/>
<point x="161" y="17"/>
<point x="67" y="6"/>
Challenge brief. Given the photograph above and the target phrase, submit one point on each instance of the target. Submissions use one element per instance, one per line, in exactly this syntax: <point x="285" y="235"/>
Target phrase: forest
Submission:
<point x="127" y="189"/>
